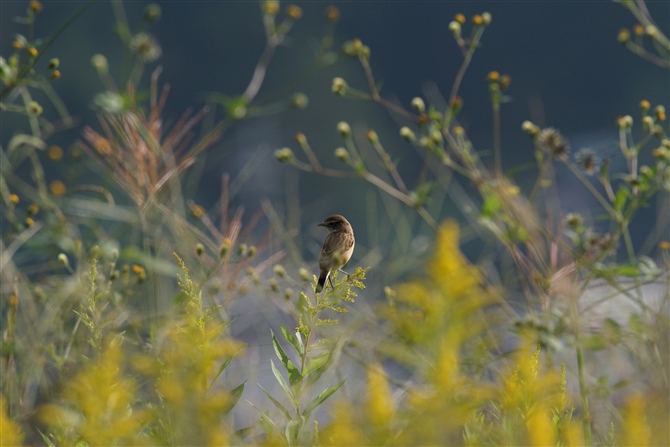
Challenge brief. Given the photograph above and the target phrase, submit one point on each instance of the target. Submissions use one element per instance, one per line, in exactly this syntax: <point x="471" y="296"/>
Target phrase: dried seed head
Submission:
<point x="145" y="46"/>
<point x="553" y="142"/>
<point x="587" y="160"/>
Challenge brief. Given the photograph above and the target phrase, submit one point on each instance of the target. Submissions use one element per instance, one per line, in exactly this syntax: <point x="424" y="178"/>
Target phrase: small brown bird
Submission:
<point x="337" y="248"/>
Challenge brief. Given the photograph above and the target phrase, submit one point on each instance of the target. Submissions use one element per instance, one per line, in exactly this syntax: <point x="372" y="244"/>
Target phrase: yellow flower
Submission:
<point x="57" y="188"/>
<point x="460" y="18"/>
<point x="32" y="51"/>
<point x="13" y="198"/>
<point x="294" y="11"/>
<point x="55" y="153"/>
<point x="197" y="211"/>
<point x="380" y="403"/>
<point x="477" y="20"/>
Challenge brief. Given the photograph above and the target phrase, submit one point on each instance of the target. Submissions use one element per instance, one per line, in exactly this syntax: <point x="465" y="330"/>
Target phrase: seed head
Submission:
<point x="647" y="122"/>
<point x="242" y="249"/>
<point x="553" y="142"/>
<point x="455" y="27"/>
<point x="487" y="18"/>
<point x="304" y="274"/>
<point x="288" y="294"/>
<point x="274" y="285"/>
<point x="54" y="63"/>
<point x="199" y="249"/>
<point x="225" y="247"/>
<point x="587" y="160"/>
<point x="651" y="31"/>
<point x="145" y="46"/>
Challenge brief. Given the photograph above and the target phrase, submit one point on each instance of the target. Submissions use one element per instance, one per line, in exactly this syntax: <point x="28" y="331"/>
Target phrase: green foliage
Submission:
<point x="101" y="346"/>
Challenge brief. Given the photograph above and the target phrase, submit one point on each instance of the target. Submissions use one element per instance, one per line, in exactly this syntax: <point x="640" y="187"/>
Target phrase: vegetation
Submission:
<point x="119" y="297"/>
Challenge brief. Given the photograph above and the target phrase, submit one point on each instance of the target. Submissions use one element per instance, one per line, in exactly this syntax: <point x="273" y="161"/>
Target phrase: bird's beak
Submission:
<point x="321" y="224"/>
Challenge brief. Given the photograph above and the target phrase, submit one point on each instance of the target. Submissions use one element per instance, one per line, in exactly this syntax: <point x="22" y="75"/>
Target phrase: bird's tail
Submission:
<point x="323" y="276"/>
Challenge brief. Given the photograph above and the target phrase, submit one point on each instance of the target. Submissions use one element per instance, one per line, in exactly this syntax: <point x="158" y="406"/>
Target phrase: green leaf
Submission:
<point x="266" y="423"/>
<point x="318" y="400"/>
<point x="282" y="382"/>
<point x="620" y="198"/>
<point x="491" y="206"/>
<point x="294" y="376"/>
<point x="316" y="363"/>
<point x="235" y="395"/>
<point x="291" y="339"/>
<point x="225" y="364"/>
<point x="278" y="404"/>
<point x="294" y="429"/>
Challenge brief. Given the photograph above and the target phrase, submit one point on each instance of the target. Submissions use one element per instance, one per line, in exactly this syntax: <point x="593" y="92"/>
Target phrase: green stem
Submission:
<point x="586" y="417"/>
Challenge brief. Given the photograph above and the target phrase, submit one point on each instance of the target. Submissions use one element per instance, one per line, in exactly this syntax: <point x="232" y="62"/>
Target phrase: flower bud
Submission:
<point x="407" y="134"/>
<point x="54" y="63"/>
<point x="99" y="62"/>
<point x="225" y="247"/>
<point x="372" y="136"/>
<point x="152" y="12"/>
<point x="62" y="258"/>
<point x="304" y="274"/>
<point x="279" y="270"/>
<point x="299" y="101"/>
<point x="623" y="36"/>
<point x="644" y="105"/>
<point x="530" y="128"/>
<point x="251" y="251"/>
<point x="418" y="104"/>
<point x="339" y="86"/>
<point x="342" y="154"/>
<point x="344" y="129"/>
<point x="284" y="155"/>
<point x="242" y="249"/>
<point x="199" y="249"/>
<point x="486" y="17"/>
<point x="455" y="27"/>
<point x="625" y="122"/>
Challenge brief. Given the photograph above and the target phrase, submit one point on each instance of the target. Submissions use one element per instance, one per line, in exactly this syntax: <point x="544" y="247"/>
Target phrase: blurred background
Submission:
<point x="568" y="71"/>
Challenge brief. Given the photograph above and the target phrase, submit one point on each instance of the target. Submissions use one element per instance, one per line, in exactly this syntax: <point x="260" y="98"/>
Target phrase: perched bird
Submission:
<point x="337" y="248"/>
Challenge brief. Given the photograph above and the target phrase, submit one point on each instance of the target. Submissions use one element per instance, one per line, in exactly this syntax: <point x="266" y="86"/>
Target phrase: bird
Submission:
<point x="337" y="248"/>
